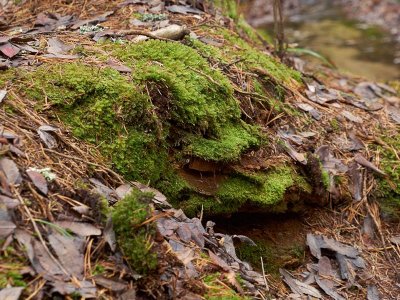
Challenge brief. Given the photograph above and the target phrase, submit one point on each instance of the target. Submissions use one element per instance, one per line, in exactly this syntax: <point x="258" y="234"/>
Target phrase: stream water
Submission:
<point x="351" y="46"/>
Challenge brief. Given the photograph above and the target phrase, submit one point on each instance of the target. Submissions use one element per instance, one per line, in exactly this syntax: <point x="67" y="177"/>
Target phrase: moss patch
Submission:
<point x="135" y="240"/>
<point x="266" y="190"/>
<point x="274" y="256"/>
<point x="173" y="106"/>
<point x="218" y="289"/>
<point x="389" y="192"/>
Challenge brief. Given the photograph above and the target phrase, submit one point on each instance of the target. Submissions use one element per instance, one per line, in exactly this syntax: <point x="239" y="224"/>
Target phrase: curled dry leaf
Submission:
<point x="47" y="138"/>
<point x="365" y="163"/>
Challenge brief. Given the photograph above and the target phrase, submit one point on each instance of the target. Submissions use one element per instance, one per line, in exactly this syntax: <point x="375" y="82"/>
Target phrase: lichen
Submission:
<point x="133" y="238"/>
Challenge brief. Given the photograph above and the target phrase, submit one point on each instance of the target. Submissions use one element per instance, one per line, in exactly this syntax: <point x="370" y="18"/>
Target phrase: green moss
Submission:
<point x="202" y="96"/>
<point x="335" y="125"/>
<point x="134" y="239"/>
<point x="174" y="105"/>
<point x="266" y="190"/>
<point x="227" y="7"/>
<point x="274" y="256"/>
<point x="254" y="58"/>
<point x="325" y="178"/>
<point x="6" y="77"/>
<point x="13" y="278"/>
<point x="389" y="188"/>
<point x="231" y="142"/>
<point x="263" y="189"/>
<point x="218" y="289"/>
<point x="210" y="205"/>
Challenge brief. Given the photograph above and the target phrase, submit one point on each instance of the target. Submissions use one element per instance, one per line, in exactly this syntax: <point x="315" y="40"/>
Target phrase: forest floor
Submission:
<point x="56" y="234"/>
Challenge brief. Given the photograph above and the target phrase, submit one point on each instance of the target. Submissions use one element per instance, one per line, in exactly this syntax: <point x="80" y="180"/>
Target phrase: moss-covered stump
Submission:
<point x="173" y="109"/>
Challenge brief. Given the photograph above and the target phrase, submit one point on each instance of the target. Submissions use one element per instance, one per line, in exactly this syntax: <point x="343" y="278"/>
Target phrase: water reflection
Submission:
<point x="353" y="47"/>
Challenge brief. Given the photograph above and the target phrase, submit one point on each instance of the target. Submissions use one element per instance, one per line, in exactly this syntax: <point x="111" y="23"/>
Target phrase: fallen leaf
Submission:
<point x="300" y="157"/>
<point x="210" y="41"/>
<point x="39" y="181"/>
<point x="109" y="235"/>
<point x="10" y="170"/>
<point x="118" y="67"/>
<point x="57" y="49"/>
<point x="347" y="271"/>
<point x="373" y="293"/>
<point x="320" y="94"/>
<point x="218" y="261"/>
<point x="314" y="242"/>
<point x="394" y="113"/>
<point x="368" y="229"/>
<point x="4" y="39"/>
<point x="56" y="46"/>
<point x="7" y="227"/>
<point x="395" y="240"/>
<point x="9" y="50"/>
<point x="339" y="247"/>
<point x="328" y="289"/>
<point x="46" y="137"/>
<point x="104" y="190"/>
<point x="28" y="48"/>
<point x="183" y="9"/>
<point x="365" y="163"/>
<point x="129" y="2"/>
<point x="3" y="94"/>
<point x="11" y="293"/>
<point x="44" y="264"/>
<point x="123" y="190"/>
<point x="47" y="22"/>
<point x="69" y="251"/>
<point x="167" y="227"/>
<point x="348" y="115"/>
<point x="311" y="110"/>
<point x="356" y="178"/>
<point x="9" y="203"/>
<point x="297" y="286"/>
<point x="245" y="239"/>
<point x="84" y="289"/>
<point x="80" y="228"/>
<point x="113" y="285"/>
<point x="95" y="20"/>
